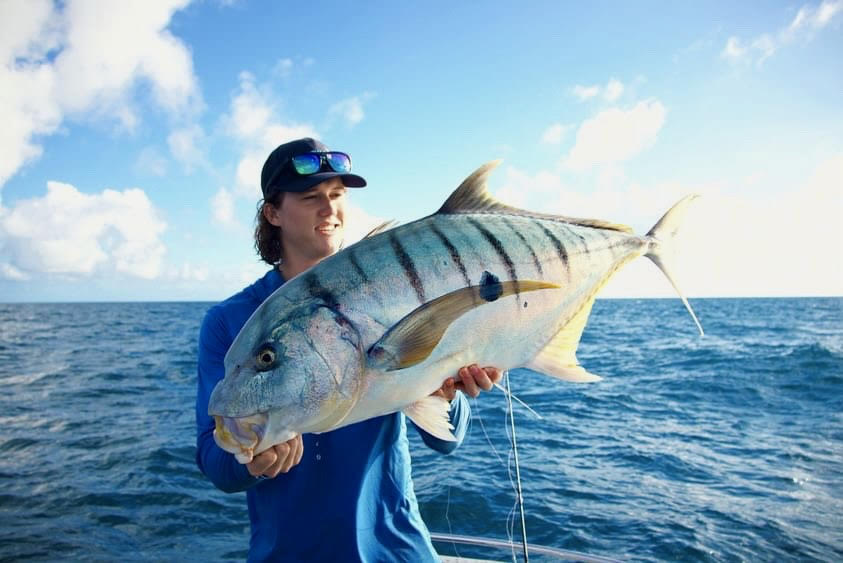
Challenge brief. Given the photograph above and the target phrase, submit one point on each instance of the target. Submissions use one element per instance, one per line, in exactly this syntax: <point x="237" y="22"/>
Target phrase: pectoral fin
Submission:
<point x="412" y="339"/>
<point x="432" y="414"/>
<point x="559" y="358"/>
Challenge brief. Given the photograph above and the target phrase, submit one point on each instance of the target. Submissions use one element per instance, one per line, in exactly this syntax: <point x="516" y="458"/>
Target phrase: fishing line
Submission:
<point x="448" y="520"/>
<point x="476" y="410"/>
<point x="509" y="426"/>
<point x="510" y="516"/>
<point x="525" y="405"/>
<point x="520" y="496"/>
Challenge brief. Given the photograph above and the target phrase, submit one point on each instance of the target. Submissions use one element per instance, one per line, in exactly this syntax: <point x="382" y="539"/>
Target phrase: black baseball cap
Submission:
<point x="279" y="175"/>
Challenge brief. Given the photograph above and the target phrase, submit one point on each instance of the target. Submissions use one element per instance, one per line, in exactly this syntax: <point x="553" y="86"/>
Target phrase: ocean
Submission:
<point x="727" y="447"/>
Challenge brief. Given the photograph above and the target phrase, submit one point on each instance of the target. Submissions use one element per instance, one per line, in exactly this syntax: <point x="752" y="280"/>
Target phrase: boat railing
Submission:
<point x="561" y="554"/>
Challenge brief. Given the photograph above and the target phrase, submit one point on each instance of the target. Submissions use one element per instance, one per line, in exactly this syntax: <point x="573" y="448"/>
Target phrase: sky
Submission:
<point x="134" y="132"/>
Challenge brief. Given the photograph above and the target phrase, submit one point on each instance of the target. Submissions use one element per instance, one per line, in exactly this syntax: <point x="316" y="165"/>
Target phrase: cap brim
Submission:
<point x="306" y="182"/>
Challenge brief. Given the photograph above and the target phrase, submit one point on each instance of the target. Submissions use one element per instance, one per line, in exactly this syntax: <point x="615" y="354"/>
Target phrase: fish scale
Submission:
<point x="379" y="326"/>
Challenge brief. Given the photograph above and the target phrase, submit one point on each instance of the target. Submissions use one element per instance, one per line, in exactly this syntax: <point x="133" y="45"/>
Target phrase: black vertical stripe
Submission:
<point x="496" y="244"/>
<point x="584" y="244"/>
<point x="560" y="248"/>
<point x="352" y="257"/>
<point x="454" y="253"/>
<point x="526" y="243"/>
<point x="315" y="288"/>
<point x="407" y="263"/>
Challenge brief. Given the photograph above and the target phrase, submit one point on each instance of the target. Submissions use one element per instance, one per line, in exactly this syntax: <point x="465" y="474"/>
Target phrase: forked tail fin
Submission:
<point x="663" y="250"/>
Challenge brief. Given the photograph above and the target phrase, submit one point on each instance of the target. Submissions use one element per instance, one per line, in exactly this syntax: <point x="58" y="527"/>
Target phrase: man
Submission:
<point x="344" y="495"/>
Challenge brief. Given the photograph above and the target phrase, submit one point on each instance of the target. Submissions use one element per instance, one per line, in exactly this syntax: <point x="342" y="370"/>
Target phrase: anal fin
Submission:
<point x="559" y="357"/>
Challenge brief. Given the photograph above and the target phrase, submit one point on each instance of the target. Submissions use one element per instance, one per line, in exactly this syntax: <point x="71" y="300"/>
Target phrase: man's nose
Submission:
<point x="327" y="206"/>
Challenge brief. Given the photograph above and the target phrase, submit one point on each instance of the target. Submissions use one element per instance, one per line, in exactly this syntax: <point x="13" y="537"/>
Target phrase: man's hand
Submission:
<point x="280" y="458"/>
<point x="469" y="380"/>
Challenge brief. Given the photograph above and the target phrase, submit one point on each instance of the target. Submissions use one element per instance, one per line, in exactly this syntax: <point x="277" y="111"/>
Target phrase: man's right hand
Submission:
<point x="280" y="458"/>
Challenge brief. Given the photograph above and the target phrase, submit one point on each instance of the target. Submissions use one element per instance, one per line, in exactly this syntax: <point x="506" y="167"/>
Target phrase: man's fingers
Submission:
<point x="449" y="389"/>
<point x="469" y="386"/>
<point x="290" y="457"/>
<point x="480" y="377"/>
<point x="281" y="453"/>
<point x="299" y="450"/>
<point x="261" y="462"/>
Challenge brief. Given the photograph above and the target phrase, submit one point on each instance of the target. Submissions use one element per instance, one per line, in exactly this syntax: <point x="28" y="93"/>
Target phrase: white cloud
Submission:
<point x="9" y="272"/>
<point x="521" y="188"/>
<point x="61" y="60"/>
<point x="250" y="111"/>
<point x="781" y="244"/>
<point x="27" y="106"/>
<point x="616" y="135"/>
<point x="151" y="161"/>
<point x="807" y="21"/>
<point x="284" y="67"/>
<point x="586" y="92"/>
<point x="184" y="145"/>
<point x="67" y="232"/>
<point x="350" y="110"/>
<point x="553" y="134"/>
<point x="254" y="121"/>
<point x="734" y="50"/>
<point x="810" y="17"/>
<point x="732" y="243"/>
<point x="611" y="92"/>
<point x="188" y="272"/>
<point x="358" y="223"/>
<point x="222" y="205"/>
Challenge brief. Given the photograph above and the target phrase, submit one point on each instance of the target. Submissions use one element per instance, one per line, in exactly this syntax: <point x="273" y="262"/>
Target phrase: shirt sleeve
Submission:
<point x="224" y="471"/>
<point x="460" y="416"/>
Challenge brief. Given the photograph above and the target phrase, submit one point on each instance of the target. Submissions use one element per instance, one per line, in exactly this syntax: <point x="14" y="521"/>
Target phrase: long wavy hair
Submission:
<point x="267" y="235"/>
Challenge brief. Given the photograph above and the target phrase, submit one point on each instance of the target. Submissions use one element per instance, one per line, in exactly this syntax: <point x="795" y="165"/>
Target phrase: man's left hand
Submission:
<point x="470" y="380"/>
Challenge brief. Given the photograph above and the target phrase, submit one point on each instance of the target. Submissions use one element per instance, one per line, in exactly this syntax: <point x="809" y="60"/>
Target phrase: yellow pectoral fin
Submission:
<point x="559" y="358"/>
<point x="412" y="339"/>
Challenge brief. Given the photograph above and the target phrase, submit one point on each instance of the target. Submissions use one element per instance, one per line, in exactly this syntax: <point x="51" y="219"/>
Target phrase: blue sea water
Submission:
<point x="722" y="448"/>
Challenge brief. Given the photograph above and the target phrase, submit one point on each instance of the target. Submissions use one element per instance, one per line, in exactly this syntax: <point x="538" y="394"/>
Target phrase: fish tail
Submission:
<point x="663" y="250"/>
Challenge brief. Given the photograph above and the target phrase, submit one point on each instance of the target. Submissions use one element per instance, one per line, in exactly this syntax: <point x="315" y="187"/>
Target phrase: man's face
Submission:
<point x="311" y="222"/>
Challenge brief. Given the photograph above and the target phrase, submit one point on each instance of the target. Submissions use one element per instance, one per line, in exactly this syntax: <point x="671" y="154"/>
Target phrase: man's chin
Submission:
<point x="331" y="245"/>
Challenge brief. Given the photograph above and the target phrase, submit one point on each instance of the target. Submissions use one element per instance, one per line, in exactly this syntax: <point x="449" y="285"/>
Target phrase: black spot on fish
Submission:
<point x="454" y="253"/>
<point x="496" y="244"/>
<point x="490" y="287"/>
<point x="525" y="304"/>
<point x="315" y="288"/>
<point x="408" y="265"/>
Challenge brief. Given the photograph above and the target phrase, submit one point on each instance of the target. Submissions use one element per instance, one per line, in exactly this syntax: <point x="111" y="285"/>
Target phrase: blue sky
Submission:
<point x="135" y="131"/>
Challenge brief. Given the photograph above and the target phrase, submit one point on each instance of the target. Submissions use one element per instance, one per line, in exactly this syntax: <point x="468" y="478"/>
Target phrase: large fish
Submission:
<point x="379" y="326"/>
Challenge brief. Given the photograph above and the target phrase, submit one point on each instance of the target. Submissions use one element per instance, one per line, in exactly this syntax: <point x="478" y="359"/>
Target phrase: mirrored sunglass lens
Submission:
<point x="307" y="163"/>
<point x="340" y="162"/>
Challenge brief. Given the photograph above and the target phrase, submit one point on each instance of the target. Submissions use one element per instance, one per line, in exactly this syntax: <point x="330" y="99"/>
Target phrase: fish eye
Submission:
<point x="265" y="358"/>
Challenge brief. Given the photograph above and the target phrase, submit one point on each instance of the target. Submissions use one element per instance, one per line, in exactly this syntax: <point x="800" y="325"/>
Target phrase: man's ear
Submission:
<point x="271" y="213"/>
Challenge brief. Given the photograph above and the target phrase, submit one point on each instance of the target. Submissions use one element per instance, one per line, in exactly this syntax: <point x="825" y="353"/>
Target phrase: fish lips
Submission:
<point x="240" y="435"/>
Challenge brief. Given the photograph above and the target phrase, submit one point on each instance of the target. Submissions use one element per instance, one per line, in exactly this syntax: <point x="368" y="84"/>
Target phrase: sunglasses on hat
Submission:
<point x="312" y="162"/>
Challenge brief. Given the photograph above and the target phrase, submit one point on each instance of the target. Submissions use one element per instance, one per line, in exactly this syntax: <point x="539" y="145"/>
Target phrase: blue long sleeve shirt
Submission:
<point x="350" y="499"/>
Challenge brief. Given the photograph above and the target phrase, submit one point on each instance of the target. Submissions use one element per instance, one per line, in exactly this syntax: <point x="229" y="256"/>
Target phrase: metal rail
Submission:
<point x="562" y="554"/>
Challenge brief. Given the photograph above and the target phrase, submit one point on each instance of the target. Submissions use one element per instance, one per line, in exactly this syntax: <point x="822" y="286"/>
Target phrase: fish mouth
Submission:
<point x="240" y="435"/>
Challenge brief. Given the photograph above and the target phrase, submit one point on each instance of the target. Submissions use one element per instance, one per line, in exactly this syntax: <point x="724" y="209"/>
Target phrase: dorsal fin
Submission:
<point x="473" y="197"/>
<point x="385" y="226"/>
